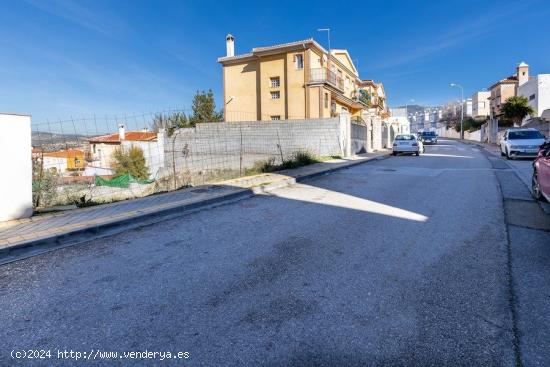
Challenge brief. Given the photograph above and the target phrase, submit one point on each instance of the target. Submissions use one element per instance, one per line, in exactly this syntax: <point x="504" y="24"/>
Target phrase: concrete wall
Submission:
<point x="238" y="145"/>
<point x="16" y="164"/>
<point x="442" y="132"/>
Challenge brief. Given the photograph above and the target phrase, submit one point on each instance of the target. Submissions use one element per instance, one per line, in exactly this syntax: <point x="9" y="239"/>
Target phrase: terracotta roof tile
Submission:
<point x="129" y="135"/>
<point x="70" y="153"/>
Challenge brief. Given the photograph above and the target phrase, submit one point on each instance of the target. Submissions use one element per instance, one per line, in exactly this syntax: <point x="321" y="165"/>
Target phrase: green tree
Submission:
<point x="176" y="120"/>
<point x="131" y="161"/>
<point x="365" y="97"/>
<point x="516" y="108"/>
<point x="204" y="108"/>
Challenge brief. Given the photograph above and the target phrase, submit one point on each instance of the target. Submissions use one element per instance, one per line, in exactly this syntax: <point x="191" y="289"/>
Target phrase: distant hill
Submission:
<point x="57" y="141"/>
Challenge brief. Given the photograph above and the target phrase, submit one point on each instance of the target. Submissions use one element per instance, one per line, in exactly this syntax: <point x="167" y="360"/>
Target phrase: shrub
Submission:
<point x="130" y="161"/>
<point x="298" y="159"/>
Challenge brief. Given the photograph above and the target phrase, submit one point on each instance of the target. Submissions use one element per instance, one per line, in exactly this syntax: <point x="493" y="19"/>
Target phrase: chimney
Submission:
<point x="230" y="45"/>
<point x="121" y="134"/>
<point x="522" y="73"/>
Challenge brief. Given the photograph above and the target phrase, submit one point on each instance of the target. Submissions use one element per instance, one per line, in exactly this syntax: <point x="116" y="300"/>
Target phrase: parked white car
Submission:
<point x="516" y="143"/>
<point x="407" y="143"/>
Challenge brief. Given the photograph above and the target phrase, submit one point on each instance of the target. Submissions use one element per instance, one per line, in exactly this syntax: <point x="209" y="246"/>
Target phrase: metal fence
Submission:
<point x="99" y="159"/>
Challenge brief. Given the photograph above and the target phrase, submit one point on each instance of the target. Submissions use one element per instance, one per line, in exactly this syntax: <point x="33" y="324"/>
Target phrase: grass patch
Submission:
<point x="298" y="159"/>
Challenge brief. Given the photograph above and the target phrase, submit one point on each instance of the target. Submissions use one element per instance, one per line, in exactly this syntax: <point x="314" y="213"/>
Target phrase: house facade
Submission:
<point x="296" y="80"/>
<point x="537" y="91"/>
<point x="506" y="88"/>
<point x="62" y="161"/>
<point x="374" y="96"/>
<point x="103" y="147"/>
<point x="480" y="105"/>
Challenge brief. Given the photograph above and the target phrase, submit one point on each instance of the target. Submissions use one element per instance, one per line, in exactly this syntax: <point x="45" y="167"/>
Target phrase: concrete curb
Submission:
<point x="25" y="249"/>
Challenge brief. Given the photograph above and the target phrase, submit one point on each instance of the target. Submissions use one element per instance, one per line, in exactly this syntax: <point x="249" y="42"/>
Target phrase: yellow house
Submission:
<point x="296" y="80"/>
<point x="374" y="96"/>
<point x="63" y="160"/>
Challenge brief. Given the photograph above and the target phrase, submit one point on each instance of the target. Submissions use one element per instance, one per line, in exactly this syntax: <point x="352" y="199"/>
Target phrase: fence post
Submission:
<point x="241" y="151"/>
<point x="16" y="163"/>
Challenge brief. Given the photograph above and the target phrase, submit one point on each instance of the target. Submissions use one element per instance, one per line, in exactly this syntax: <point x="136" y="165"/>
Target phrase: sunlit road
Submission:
<point x="403" y="261"/>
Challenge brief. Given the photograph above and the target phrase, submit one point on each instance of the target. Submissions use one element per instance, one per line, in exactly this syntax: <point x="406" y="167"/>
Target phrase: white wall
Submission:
<point x="539" y="86"/>
<point x="58" y="163"/>
<point x="16" y="166"/>
<point x="543" y="93"/>
<point x="480" y="104"/>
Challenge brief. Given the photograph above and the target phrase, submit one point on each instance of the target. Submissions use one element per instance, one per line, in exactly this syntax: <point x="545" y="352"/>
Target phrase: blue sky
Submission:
<point x="61" y="58"/>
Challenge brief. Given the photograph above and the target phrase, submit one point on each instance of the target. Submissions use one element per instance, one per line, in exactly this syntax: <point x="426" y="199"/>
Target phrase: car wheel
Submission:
<point x="501" y="152"/>
<point x="508" y="155"/>
<point x="417" y="153"/>
<point x="535" y="188"/>
<point x="394" y="153"/>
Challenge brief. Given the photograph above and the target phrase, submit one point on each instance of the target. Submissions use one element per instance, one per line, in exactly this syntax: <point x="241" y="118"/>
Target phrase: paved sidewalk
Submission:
<point x="63" y="228"/>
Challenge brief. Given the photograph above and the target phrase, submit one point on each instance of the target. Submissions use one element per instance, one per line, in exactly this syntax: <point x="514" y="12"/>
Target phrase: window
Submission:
<point x="531" y="97"/>
<point x="481" y="105"/>
<point x="275" y="118"/>
<point x="299" y="60"/>
<point x="275" y="82"/>
<point x="275" y="95"/>
<point x="326" y="100"/>
<point x="347" y="82"/>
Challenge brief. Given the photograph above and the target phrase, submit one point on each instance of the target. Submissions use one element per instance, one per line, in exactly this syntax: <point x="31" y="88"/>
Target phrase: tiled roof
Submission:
<point x="269" y="48"/>
<point x="509" y="80"/>
<point x="69" y="153"/>
<point x="129" y="135"/>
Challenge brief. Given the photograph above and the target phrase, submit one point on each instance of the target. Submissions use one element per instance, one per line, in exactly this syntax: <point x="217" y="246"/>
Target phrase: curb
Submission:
<point x="46" y="244"/>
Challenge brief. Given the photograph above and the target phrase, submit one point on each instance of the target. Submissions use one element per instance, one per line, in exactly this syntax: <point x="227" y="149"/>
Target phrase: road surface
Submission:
<point x="404" y="261"/>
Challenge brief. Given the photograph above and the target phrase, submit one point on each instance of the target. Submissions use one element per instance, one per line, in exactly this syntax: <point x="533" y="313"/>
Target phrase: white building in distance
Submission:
<point x="481" y="105"/>
<point x="536" y="89"/>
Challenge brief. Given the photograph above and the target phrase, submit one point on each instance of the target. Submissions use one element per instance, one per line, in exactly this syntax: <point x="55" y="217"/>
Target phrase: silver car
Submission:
<point x="407" y="143"/>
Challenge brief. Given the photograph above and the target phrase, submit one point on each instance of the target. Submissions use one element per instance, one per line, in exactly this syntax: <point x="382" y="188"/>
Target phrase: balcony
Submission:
<point x="323" y="75"/>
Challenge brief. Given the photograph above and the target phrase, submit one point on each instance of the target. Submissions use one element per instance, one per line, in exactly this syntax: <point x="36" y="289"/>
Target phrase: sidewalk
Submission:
<point x="53" y="230"/>
<point x="522" y="168"/>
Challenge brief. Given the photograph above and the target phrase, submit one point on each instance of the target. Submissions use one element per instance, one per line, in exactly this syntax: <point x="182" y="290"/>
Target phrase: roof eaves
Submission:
<point x="237" y="57"/>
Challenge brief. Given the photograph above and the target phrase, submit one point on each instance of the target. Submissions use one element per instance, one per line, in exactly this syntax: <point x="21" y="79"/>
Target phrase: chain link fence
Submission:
<point x="100" y="159"/>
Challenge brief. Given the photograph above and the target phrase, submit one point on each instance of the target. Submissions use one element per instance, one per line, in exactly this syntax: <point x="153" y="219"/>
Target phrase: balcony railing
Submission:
<point x="323" y="75"/>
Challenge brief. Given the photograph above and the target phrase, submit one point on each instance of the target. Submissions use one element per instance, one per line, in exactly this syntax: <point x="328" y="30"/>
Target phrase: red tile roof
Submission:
<point x="129" y="135"/>
<point x="69" y="153"/>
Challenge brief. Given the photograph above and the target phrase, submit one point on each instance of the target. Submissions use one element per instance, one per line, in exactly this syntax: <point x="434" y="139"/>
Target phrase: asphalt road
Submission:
<point x="403" y="261"/>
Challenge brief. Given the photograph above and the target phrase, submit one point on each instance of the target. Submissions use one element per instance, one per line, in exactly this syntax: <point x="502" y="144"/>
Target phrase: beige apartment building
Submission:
<point x="506" y="88"/>
<point x="296" y="80"/>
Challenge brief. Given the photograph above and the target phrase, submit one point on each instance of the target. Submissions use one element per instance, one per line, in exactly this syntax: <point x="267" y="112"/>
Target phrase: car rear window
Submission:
<point x="525" y="134"/>
<point x="404" y="137"/>
<point x="428" y="133"/>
